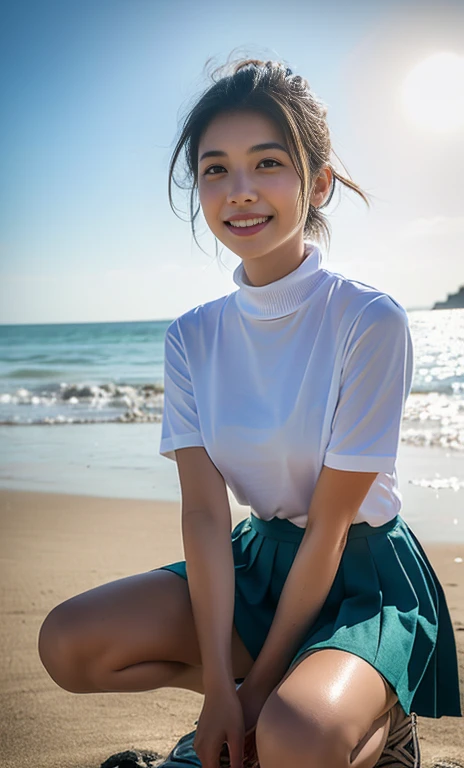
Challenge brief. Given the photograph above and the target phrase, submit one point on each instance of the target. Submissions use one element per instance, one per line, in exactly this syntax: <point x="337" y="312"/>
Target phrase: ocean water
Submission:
<point x="81" y="405"/>
<point x="113" y="372"/>
<point x="81" y="373"/>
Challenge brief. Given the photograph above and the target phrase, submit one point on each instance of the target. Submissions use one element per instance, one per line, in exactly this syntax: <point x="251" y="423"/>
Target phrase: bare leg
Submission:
<point x="149" y="675"/>
<point x="331" y="709"/>
<point x="133" y="634"/>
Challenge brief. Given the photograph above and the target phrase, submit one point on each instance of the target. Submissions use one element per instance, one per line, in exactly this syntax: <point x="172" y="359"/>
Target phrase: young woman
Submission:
<point x="290" y="390"/>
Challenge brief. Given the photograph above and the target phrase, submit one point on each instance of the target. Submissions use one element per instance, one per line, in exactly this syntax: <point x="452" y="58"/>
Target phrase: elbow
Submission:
<point x="207" y="517"/>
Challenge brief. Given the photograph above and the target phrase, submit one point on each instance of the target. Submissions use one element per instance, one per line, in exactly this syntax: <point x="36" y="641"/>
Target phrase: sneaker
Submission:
<point x="402" y="747"/>
<point x="183" y="755"/>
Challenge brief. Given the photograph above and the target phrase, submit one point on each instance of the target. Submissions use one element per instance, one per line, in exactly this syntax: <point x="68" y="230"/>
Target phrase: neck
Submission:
<point x="275" y="264"/>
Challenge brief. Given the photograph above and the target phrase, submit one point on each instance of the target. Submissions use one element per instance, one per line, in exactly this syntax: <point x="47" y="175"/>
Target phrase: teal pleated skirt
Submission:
<point x="386" y="605"/>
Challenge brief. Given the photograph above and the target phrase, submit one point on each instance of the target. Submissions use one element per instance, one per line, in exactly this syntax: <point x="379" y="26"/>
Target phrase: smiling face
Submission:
<point x="243" y="178"/>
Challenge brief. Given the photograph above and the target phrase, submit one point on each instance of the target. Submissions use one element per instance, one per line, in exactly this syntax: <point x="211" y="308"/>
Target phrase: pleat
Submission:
<point x="437" y="693"/>
<point x="387" y="606"/>
<point x="254" y="556"/>
<point x="410" y="614"/>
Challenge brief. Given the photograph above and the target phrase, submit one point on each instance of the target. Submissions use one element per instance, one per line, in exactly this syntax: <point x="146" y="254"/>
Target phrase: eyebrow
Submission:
<point x="254" y="148"/>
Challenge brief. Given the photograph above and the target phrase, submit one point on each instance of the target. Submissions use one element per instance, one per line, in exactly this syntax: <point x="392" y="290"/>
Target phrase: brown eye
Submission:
<point x="206" y="173"/>
<point x="266" y="160"/>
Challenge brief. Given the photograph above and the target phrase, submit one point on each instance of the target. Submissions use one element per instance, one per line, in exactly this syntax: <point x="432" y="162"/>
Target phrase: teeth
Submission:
<point x="248" y="222"/>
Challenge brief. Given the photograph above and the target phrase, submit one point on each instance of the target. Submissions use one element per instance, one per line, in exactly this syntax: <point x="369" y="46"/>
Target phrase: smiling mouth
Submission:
<point x="250" y="223"/>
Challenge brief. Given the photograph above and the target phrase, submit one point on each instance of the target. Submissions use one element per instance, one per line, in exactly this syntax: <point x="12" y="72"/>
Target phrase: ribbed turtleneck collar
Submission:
<point x="281" y="297"/>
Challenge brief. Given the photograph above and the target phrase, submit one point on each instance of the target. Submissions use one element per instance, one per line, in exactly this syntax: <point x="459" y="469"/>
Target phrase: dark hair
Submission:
<point x="269" y="87"/>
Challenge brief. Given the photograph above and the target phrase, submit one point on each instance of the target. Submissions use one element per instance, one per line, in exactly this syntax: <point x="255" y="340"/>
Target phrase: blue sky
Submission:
<point x="93" y="92"/>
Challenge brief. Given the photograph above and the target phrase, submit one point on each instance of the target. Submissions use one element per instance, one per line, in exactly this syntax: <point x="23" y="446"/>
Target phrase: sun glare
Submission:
<point x="433" y="93"/>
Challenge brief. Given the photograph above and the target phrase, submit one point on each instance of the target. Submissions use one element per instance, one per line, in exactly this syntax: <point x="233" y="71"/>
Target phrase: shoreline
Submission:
<point x="79" y="462"/>
<point x="122" y="461"/>
<point x="54" y="546"/>
<point x="238" y="511"/>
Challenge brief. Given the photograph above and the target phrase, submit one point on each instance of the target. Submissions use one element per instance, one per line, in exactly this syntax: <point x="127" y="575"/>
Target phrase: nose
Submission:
<point x="241" y="192"/>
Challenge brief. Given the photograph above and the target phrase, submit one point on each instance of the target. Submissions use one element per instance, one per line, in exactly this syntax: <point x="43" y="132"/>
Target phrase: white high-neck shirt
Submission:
<point x="282" y="297"/>
<point x="275" y="381"/>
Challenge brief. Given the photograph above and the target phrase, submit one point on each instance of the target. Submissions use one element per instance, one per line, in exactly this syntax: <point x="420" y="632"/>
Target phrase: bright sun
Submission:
<point x="433" y="93"/>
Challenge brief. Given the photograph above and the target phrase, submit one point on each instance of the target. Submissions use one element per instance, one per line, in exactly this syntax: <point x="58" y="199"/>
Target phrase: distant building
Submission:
<point x="454" y="301"/>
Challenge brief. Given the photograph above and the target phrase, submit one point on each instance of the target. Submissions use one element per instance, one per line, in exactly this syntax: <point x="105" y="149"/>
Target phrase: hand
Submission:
<point x="252" y="698"/>
<point x="220" y="721"/>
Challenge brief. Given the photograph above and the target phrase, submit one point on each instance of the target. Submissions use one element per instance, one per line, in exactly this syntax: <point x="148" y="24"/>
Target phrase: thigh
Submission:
<point x="144" y="617"/>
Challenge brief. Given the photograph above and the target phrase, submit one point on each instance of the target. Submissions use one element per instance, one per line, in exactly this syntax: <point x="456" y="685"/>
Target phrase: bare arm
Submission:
<point x="206" y="531"/>
<point x="210" y="571"/>
<point x="335" y="503"/>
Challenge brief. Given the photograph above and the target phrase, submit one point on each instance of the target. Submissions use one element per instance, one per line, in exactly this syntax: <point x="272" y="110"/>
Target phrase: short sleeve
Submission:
<point x="376" y="380"/>
<point x="180" y="425"/>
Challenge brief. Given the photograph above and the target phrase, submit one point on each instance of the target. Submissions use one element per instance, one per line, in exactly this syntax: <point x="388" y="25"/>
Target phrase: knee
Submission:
<point x="58" y="649"/>
<point x="286" y="736"/>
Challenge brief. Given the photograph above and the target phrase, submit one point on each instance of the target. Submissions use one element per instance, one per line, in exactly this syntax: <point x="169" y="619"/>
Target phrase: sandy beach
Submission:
<point x="54" y="546"/>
